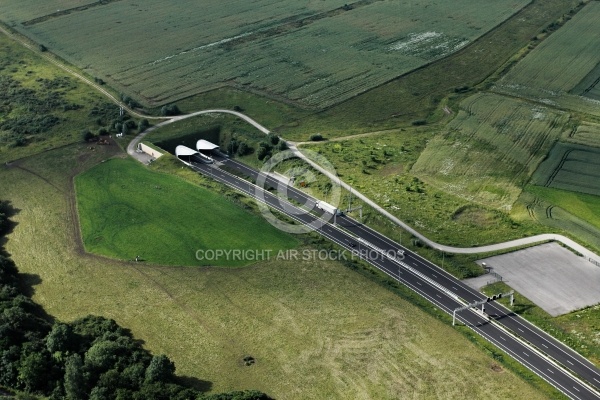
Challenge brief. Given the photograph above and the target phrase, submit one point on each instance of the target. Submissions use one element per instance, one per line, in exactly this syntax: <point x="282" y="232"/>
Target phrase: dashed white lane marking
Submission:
<point x="550" y="370"/>
<point x="569" y="362"/>
<point x="502" y="337"/>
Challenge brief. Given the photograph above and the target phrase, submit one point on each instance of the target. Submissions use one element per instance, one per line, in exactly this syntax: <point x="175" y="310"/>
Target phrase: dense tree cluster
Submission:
<point x="238" y="147"/>
<point x="109" y="120"/>
<point x="268" y="147"/>
<point x="91" y="358"/>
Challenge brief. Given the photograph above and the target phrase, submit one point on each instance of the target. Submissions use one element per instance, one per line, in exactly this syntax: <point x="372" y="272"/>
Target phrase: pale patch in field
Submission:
<point x="428" y="45"/>
<point x="415" y="39"/>
<point x="447" y="166"/>
<point x="538" y="113"/>
<point x="547" y="101"/>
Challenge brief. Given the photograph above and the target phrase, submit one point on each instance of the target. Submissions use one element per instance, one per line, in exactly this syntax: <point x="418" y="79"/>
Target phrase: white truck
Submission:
<point x="321" y="205"/>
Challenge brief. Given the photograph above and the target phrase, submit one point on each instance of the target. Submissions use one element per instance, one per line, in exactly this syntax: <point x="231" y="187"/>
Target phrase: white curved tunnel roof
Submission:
<point x="205" y="145"/>
<point x="182" y="150"/>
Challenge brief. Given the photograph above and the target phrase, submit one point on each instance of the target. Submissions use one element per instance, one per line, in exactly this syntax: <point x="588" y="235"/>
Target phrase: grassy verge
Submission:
<point x="310" y="325"/>
<point x="126" y="210"/>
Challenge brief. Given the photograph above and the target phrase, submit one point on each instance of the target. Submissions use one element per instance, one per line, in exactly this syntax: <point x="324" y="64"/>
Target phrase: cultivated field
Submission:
<point x="127" y="210"/>
<point x="570" y="167"/>
<point x="25" y="10"/>
<point x="590" y="85"/>
<point x="566" y="62"/>
<point x="489" y="151"/>
<point x="317" y="54"/>
<point x="316" y="329"/>
<point x="586" y="133"/>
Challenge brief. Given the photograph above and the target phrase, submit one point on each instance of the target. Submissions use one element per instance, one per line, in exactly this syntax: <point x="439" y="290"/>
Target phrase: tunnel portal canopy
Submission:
<point x="184" y="151"/>
<point x="206" y="146"/>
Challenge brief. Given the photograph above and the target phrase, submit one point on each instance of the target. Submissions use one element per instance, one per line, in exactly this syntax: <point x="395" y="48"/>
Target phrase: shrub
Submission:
<point x="243" y="149"/>
<point x="170" y="109"/>
<point x="273" y="139"/>
<point x="143" y="125"/>
<point x="87" y="135"/>
<point x="261" y="153"/>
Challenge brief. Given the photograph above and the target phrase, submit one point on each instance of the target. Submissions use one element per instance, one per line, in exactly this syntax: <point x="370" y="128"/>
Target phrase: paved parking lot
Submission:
<point x="551" y="276"/>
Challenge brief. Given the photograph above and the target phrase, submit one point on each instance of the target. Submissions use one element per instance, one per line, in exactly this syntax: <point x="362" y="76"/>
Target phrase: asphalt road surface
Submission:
<point x="555" y="362"/>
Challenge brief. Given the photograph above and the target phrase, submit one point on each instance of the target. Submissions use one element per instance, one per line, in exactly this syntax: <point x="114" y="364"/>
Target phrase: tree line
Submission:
<point x="91" y="358"/>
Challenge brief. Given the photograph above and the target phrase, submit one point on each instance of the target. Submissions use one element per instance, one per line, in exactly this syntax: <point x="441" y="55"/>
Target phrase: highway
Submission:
<point x="555" y="362"/>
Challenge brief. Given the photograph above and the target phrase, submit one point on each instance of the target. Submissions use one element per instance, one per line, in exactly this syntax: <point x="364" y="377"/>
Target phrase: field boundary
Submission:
<point x="66" y="12"/>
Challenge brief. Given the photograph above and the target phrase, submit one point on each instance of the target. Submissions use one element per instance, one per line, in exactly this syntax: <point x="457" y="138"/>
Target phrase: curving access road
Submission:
<point x="589" y="255"/>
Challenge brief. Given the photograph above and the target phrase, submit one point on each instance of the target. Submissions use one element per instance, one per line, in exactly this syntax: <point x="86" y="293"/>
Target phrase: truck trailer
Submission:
<point x="328" y="208"/>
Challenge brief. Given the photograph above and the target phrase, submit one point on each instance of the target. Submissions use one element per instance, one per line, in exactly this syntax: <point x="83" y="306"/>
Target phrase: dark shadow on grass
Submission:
<point x="7" y="225"/>
<point x="27" y="283"/>
<point x="195" y="383"/>
<point x="26" y="287"/>
<point x="521" y="308"/>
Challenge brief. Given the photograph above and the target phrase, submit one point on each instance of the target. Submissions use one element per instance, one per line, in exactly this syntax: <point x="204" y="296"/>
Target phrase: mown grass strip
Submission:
<point x="127" y="211"/>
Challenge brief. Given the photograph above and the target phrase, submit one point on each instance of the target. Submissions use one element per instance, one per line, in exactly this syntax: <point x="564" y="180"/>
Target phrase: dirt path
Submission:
<point x="349" y="137"/>
<point x="132" y="146"/>
<point x="294" y="147"/>
<point x="76" y="74"/>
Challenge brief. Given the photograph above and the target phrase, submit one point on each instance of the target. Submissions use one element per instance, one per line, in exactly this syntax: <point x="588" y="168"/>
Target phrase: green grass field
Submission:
<point x="571" y="167"/>
<point x="316" y="329"/>
<point x="126" y="210"/>
<point x="316" y="54"/>
<point x="584" y="206"/>
<point x="566" y="62"/>
<point x="489" y="151"/>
